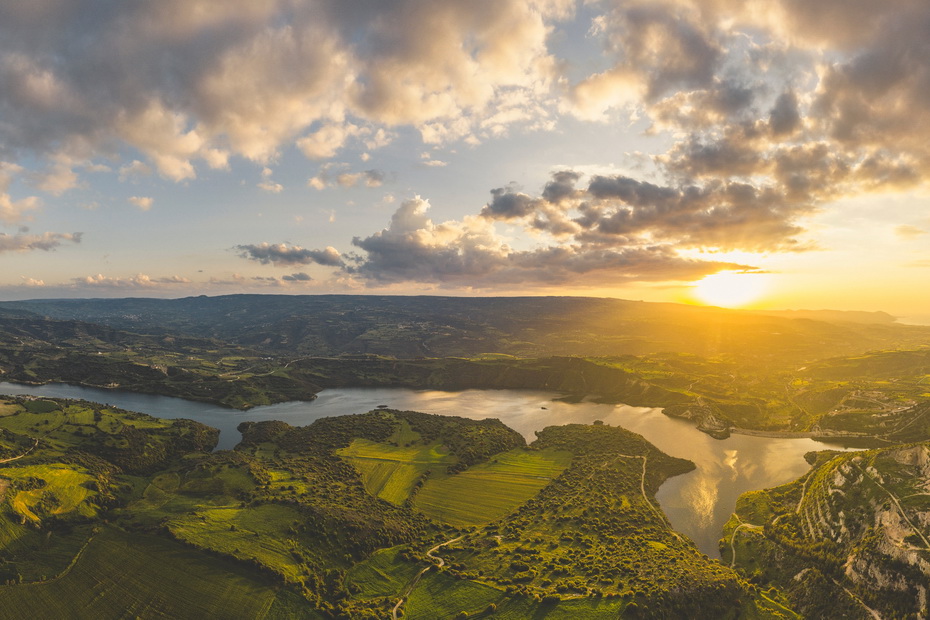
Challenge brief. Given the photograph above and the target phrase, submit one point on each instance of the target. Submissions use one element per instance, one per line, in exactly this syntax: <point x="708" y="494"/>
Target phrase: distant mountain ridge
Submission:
<point x="425" y="326"/>
<point x="834" y="316"/>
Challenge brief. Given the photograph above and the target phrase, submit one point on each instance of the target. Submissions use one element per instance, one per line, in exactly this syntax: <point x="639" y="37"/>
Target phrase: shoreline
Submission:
<point x="784" y="434"/>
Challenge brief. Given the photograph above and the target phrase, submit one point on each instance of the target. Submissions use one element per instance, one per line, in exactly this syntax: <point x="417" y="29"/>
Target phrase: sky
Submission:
<point x="627" y="149"/>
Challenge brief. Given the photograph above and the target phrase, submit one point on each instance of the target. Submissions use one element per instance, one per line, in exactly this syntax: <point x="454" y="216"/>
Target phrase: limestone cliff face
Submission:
<point x="855" y="531"/>
<point x="875" y="506"/>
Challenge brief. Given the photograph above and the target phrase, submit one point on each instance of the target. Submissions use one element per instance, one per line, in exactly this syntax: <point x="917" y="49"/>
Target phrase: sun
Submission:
<point x="731" y="289"/>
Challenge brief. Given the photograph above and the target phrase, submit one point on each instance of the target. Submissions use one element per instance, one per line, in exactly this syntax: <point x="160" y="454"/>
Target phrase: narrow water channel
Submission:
<point x="697" y="503"/>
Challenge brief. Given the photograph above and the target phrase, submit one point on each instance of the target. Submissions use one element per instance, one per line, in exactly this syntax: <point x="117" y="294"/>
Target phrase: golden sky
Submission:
<point x="624" y="148"/>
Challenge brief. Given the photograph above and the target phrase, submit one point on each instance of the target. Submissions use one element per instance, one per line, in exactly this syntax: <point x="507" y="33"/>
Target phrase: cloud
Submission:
<point x="427" y="160"/>
<point x="612" y="228"/>
<point x="620" y="209"/>
<point x="654" y="51"/>
<point x="138" y="281"/>
<point x="333" y="174"/>
<point x="506" y="204"/>
<point x="134" y="170"/>
<point x="13" y="211"/>
<point x="284" y="254"/>
<point x="368" y="178"/>
<point x="805" y="102"/>
<point x="27" y="243"/>
<point x="59" y="177"/>
<point x="761" y="117"/>
<point x="908" y="232"/>
<point x="192" y="83"/>
<point x="325" y="142"/>
<point x="268" y="184"/>
<point x="469" y="252"/>
<point x="785" y="116"/>
<point x="143" y="202"/>
<point x="297" y="277"/>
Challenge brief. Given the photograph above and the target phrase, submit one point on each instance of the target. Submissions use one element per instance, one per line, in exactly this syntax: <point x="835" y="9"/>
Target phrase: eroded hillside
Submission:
<point x="851" y="536"/>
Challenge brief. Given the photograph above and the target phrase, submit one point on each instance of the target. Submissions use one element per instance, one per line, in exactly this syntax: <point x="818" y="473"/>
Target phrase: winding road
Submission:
<point x="439" y="564"/>
<point x="13" y="458"/>
<point x="748" y="526"/>
<point x="901" y="511"/>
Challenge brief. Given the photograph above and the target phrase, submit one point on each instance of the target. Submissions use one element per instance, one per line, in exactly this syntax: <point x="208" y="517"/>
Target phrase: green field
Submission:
<point x="391" y="472"/>
<point x="439" y="595"/>
<point x="245" y="533"/>
<point x="574" y="609"/>
<point x="490" y="490"/>
<point x="137" y="576"/>
<point x="8" y="408"/>
<point x="383" y="574"/>
<point x="64" y="489"/>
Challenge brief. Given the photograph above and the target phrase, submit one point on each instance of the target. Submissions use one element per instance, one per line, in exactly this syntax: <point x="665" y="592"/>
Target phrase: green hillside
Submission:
<point x="849" y="539"/>
<point x="105" y="513"/>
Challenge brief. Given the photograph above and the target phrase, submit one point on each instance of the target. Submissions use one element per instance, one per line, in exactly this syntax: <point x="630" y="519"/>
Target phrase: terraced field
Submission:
<point x="391" y="472"/>
<point x="490" y="490"/>
<point x="848" y="538"/>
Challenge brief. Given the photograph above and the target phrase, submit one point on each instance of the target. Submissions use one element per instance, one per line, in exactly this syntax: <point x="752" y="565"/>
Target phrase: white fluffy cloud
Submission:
<point x="143" y="202"/>
<point x="194" y="82"/>
<point x="138" y="281"/>
<point x="25" y="242"/>
<point x="190" y="84"/>
<point x="13" y="211"/>
<point x="766" y="112"/>
<point x="333" y="174"/>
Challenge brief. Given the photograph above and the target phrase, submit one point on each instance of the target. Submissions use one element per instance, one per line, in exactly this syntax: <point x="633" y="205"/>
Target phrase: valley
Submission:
<point x="555" y="510"/>
<point x="856" y="376"/>
<point x="298" y="508"/>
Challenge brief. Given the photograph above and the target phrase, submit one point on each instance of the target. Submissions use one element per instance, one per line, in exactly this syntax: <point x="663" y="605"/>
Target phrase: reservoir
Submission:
<point x="697" y="504"/>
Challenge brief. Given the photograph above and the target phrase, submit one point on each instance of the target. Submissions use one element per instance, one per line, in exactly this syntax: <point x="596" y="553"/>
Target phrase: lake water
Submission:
<point x="697" y="504"/>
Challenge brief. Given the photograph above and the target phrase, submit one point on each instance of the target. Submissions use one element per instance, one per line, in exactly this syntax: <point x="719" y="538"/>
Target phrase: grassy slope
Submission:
<point x="592" y="531"/>
<point x="120" y="575"/>
<point x="439" y="595"/>
<point x="589" y="546"/>
<point x="490" y="490"/>
<point x="248" y="534"/>
<point x="391" y="472"/>
<point x="65" y="489"/>
<point x="287" y="504"/>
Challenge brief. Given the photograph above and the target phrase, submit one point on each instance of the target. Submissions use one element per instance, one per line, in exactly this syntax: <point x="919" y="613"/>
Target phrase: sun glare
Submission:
<point x="731" y="289"/>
